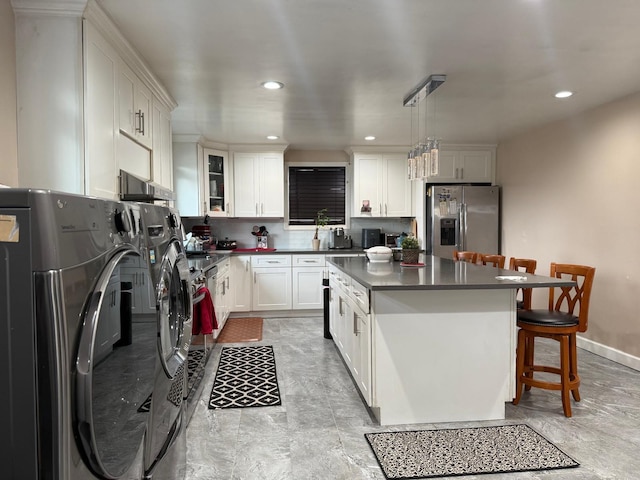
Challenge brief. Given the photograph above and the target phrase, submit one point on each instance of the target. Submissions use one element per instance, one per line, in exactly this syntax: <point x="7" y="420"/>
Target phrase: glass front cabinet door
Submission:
<point x="217" y="183"/>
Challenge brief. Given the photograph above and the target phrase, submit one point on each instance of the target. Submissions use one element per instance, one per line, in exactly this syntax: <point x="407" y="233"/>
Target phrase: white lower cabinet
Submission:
<point x="271" y="289"/>
<point x="134" y="270"/>
<point x="307" y="272"/>
<point x="351" y="329"/>
<point x="241" y="283"/>
<point x="222" y="300"/>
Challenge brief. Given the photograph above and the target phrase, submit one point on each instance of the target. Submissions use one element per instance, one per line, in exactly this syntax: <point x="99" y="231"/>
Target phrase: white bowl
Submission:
<point x="379" y="254"/>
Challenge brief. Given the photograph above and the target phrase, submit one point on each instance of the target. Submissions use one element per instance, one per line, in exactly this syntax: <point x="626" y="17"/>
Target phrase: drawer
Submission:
<point x="223" y="267"/>
<point x="270" y="260"/>
<point x="307" y="260"/>
<point x="360" y="295"/>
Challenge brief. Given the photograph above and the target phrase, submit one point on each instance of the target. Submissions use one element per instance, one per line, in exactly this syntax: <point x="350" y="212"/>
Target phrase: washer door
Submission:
<point x="174" y="310"/>
<point x="115" y="368"/>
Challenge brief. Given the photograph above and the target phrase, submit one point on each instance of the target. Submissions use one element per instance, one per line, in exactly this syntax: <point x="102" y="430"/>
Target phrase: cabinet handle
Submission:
<point x="456" y="173"/>
<point x="204" y="206"/>
<point x="462" y="173"/>
<point x="140" y="128"/>
<point x="246" y="266"/>
<point x="254" y="277"/>
<point x="355" y="325"/>
<point x="385" y="209"/>
<point x="380" y="209"/>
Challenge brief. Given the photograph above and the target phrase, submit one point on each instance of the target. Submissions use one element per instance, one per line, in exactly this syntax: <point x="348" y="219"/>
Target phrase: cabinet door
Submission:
<point x="307" y="288"/>
<point x="396" y="187"/>
<point x="363" y="340"/>
<point x="245" y="198"/>
<point x="271" y="185"/>
<point x="216" y="183"/>
<point x="271" y="288"/>
<point x="101" y="87"/>
<point x="367" y="185"/>
<point x="475" y="166"/>
<point x="162" y="153"/>
<point x="241" y="285"/>
<point x="448" y="161"/>
<point x="136" y="104"/>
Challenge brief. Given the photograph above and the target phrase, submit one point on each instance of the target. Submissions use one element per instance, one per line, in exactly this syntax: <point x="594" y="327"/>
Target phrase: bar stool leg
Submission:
<point x="573" y="374"/>
<point x="564" y="374"/>
<point x="529" y="358"/>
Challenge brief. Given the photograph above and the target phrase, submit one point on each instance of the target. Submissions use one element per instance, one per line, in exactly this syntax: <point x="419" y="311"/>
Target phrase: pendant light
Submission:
<point x="423" y="160"/>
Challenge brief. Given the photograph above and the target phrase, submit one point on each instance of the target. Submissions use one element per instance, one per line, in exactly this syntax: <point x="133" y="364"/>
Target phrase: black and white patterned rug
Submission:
<point x="465" y="451"/>
<point x="246" y="377"/>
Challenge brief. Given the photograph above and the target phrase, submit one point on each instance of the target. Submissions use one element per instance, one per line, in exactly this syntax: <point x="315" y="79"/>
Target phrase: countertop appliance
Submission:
<point x="391" y="240"/>
<point x="338" y="239"/>
<point x="371" y="237"/>
<point x="75" y="373"/>
<point x="462" y="217"/>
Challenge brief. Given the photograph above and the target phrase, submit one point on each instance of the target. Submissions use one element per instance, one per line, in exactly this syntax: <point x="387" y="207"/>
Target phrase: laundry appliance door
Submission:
<point x="173" y="295"/>
<point x="115" y="367"/>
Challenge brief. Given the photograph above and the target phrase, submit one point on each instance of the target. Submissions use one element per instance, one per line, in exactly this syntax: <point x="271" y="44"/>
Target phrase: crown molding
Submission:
<point x="57" y="8"/>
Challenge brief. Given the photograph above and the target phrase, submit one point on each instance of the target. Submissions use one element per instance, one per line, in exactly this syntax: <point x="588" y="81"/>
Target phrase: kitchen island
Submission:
<point x="427" y="344"/>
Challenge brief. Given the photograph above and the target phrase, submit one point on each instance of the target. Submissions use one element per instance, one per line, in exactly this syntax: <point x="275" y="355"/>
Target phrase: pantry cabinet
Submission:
<point x="381" y="187"/>
<point x="473" y="165"/>
<point x="258" y="184"/>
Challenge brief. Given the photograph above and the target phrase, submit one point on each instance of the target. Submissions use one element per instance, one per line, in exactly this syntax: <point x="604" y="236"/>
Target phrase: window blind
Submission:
<point x="313" y="188"/>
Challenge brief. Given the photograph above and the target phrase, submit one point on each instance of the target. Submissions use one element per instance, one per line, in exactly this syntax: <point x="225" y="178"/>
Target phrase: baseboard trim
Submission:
<point x="610" y="353"/>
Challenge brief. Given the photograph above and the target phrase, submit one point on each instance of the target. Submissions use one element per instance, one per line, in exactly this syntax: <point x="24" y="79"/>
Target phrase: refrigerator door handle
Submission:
<point x="463" y="226"/>
<point x="459" y="229"/>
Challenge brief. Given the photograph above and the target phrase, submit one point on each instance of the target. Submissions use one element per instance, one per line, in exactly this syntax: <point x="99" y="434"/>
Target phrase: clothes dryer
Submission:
<point x="165" y="450"/>
<point x="77" y="363"/>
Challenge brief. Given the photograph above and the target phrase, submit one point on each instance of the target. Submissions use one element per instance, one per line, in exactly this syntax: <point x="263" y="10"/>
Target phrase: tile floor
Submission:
<point x="317" y="432"/>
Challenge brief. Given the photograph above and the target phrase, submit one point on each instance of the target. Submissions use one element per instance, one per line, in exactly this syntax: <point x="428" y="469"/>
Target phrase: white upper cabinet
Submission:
<point x="465" y="165"/>
<point x="162" y="154"/>
<point x="380" y="185"/>
<point x="216" y="183"/>
<point x="101" y="122"/>
<point x="258" y="180"/>
<point x="136" y="106"/>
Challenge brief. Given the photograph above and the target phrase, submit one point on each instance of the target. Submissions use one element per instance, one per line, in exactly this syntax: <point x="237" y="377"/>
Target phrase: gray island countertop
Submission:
<point x="438" y="274"/>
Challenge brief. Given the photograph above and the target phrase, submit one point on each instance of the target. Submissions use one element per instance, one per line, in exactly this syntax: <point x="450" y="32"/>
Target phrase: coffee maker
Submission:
<point x="338" y="239"/>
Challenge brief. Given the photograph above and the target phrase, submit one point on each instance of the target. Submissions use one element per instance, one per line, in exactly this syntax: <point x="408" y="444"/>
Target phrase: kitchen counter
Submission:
<point x="437" y="274"/>
<point x="428" y="344"/>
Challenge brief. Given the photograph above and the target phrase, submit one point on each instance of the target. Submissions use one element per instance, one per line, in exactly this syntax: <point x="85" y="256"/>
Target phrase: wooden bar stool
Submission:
<point x="559" y="323"/>
<point x="492" y="260"/>
<point x="465" y="256"/>
<point x="527" y="265"/>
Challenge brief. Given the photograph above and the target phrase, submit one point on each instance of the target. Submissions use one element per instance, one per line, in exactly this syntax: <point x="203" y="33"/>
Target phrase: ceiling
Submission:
<point x="347" y="64"/>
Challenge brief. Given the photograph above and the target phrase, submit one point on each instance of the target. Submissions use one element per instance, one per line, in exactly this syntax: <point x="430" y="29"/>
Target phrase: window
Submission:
<point x="314" y="188"/>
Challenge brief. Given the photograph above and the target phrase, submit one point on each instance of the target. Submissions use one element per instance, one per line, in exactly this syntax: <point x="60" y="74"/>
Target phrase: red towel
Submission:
<point x="204" y="314"/>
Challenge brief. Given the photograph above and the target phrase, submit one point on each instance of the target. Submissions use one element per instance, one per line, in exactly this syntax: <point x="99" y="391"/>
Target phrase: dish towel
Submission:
<point x="204" y="314"/>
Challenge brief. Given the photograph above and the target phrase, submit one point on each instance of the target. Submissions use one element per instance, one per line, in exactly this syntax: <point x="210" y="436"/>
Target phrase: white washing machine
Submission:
<point x="165" y="449"/>
<point x="77" y="359"/>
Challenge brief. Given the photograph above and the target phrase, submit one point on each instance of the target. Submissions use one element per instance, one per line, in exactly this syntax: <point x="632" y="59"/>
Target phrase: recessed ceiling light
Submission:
<point x="272" y="137"/>
<point x="369" y="137"/>
<point x="564" y="94"/>
<point x="271" y="85"/>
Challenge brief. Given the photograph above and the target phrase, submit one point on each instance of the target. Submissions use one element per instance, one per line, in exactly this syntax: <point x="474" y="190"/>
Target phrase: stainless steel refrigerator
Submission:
<point x="462" y="217"/>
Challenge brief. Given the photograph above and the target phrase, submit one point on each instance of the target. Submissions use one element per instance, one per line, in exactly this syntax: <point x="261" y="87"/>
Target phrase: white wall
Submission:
<point x="8" y="129"/>
<point x="571" y="195"/>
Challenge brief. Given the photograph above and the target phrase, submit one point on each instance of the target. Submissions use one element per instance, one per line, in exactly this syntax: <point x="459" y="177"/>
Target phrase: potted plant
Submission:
<point x="410" y="249"/>
<point x="321" y="221"/>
